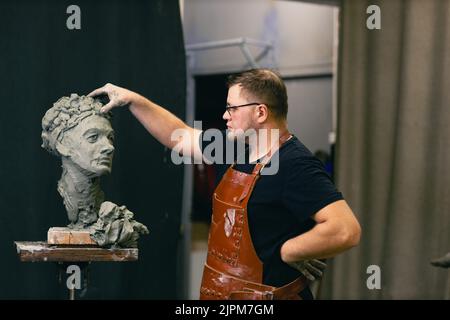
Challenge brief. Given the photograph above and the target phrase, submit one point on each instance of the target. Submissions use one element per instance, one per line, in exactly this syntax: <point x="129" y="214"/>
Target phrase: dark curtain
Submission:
<point x="210" y="92"/>
<point x="393" y="148"/>
<point x="134" y="44"/>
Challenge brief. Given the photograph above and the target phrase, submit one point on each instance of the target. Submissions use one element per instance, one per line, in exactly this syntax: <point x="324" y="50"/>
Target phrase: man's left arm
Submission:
<point x="336" y="230"/>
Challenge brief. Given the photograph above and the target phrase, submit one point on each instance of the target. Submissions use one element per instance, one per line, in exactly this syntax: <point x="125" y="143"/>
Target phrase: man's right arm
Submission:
<point x="159" y="122"/>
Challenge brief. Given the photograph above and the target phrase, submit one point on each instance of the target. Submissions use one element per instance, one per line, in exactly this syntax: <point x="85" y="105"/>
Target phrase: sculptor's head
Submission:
<point x="75" y="129"/>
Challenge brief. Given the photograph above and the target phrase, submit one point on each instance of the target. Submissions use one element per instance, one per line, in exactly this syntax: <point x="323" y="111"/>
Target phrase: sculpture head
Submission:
<point x="75" y="129"/>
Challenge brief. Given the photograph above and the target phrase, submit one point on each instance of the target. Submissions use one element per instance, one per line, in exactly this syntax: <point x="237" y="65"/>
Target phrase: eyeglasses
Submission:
<point x="229" y="108"/>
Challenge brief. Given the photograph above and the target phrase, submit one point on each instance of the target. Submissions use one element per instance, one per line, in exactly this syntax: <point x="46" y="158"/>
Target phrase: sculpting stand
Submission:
<point x="81" y="255"/>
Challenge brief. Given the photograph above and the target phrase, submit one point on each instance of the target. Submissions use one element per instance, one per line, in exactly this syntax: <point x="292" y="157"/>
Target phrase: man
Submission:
<point x="267" y="230"/>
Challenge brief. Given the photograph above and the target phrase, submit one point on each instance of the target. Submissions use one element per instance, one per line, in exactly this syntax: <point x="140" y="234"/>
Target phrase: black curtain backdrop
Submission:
<point x="134" y="44"/>
<point x="211" y="96"/>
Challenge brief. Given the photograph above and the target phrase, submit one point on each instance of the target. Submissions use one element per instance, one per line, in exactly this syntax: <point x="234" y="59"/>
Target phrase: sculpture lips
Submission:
<point x="105" y="161"/>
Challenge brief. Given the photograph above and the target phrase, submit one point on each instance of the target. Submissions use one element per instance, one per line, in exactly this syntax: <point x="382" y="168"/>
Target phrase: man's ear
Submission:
<point x="62" y="149"/>
<point x="263" y="113"/>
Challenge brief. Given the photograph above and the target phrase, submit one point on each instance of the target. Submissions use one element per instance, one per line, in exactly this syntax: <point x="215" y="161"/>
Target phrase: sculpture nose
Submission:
<point x="108" y="149"/>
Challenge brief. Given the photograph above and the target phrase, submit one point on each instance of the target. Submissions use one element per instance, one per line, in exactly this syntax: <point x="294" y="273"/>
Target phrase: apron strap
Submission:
<point x="259" y="166"/>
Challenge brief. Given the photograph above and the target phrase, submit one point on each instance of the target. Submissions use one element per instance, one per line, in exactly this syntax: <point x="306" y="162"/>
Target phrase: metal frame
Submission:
<point x="242" y="43"/>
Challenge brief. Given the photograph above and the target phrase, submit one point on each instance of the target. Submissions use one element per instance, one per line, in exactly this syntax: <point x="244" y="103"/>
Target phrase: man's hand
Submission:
<point x="117" y="96"/>
<point x="311" y="269"/>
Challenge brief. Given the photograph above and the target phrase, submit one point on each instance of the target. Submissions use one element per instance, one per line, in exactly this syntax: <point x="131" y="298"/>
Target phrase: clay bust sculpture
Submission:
<point x="75" y="130"/>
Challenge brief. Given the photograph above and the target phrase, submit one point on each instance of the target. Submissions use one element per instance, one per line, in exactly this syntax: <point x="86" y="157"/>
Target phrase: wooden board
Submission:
<point x="67" y="236"/>
<point x="41" y="251"/>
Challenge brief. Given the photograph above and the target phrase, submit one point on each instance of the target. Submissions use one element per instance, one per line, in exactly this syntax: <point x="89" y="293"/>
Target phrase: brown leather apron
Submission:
<point x="233" y="270"/>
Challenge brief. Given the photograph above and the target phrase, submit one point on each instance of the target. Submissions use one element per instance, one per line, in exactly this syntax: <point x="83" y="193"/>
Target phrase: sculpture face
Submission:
<point x="90" y="145"/>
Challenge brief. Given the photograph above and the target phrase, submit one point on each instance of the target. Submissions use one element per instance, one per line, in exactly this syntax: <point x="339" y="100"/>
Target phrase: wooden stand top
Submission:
<point x="35" y="251"/>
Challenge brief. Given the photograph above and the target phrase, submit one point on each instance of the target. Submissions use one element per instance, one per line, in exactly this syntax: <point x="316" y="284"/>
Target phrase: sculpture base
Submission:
<point x="67" y="236"/>
<point x="41" y="251"/>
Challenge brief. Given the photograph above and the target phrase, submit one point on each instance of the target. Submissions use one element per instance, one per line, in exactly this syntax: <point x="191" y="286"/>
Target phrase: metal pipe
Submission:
<point x="226" y="43"/>
<point x="248" y="55"/>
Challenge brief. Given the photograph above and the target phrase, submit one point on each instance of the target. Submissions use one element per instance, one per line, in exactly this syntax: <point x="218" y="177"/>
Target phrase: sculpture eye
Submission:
<point x="111" y="137"/>
<point x="92" y="138"/>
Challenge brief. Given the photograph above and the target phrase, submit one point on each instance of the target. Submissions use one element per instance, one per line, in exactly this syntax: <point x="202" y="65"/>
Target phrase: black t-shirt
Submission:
<point x="281" y="205"/>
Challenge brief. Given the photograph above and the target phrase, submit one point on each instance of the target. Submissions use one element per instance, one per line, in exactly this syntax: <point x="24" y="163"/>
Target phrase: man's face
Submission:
<point x="240" y="119"/>
<point x="91" y="145"/>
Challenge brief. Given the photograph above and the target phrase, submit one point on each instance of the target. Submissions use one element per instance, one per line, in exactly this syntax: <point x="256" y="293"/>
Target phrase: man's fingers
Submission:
<point x="107" y="107"/>
<point x="318" y="264"/>
<point x="308" y="275"/>
<point x="97" y="92"/>
<point x="307" y="269"/>
<point x="313" y="270"/>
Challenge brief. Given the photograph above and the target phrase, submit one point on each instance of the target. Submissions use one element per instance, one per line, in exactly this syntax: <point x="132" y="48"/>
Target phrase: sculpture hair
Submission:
<point x="66" y="114"/>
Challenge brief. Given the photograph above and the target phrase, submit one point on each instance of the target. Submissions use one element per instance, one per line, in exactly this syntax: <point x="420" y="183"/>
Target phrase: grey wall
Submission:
<point x="303" y="37"/>
<point x="301" y="32"/>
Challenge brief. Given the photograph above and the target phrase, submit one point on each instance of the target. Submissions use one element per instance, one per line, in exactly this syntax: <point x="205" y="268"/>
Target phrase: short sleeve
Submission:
<point x="308" y="188"/>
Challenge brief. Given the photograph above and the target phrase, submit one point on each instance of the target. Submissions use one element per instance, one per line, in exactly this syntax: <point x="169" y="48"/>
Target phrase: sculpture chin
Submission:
<point x="102" y="166"/>
<point x="103" y="169"/>
<point x="97" y="169"/>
